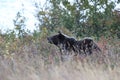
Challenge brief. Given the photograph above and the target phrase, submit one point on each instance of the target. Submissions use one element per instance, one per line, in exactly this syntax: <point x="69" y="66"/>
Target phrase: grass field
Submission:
<point x="41" y="61"/>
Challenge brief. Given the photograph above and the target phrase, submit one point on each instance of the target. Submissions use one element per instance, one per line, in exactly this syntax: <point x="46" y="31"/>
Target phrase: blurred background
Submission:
<point x="82" y="18"/>
<point x="25" y="53"/>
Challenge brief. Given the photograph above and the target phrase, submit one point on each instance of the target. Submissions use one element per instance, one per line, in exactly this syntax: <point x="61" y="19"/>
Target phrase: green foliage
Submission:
<point x="82" y="17"/>
<point x="19" y="23"/>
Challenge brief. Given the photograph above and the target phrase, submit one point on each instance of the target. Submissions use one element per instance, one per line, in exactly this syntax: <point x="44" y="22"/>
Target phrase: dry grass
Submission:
<point x="40" y="61"/>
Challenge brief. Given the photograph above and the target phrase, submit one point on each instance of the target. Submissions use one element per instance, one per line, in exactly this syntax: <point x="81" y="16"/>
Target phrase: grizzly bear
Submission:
<point x="65" y="43"/>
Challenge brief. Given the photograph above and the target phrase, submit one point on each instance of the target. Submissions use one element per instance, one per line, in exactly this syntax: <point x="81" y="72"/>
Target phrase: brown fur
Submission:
<point x="66" y="43"/>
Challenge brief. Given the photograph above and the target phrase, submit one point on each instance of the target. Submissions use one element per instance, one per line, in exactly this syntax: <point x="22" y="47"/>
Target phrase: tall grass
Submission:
<point x="35" y="59"/>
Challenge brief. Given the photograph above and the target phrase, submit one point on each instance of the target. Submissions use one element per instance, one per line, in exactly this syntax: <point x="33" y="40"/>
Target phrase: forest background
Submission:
<point x="26" y="55"/>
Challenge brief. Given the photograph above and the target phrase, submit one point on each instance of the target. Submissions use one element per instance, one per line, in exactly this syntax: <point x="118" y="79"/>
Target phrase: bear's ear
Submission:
<point x="59" y="32"/>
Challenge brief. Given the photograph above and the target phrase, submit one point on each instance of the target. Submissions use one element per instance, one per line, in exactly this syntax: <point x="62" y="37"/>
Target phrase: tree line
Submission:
<point x="81" y="17"/>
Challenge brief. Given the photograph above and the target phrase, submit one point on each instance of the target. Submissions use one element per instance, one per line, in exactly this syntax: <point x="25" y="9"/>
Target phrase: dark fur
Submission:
<point x="62" y="41"/>
<point x="86" y="46"/>
<point x="66" y="43"/>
